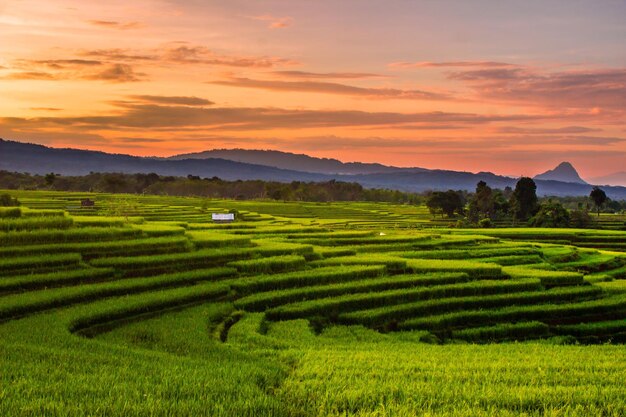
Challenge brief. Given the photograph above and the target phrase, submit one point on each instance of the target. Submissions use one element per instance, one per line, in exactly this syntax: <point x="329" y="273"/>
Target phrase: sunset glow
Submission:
<point x="512" y="88"/>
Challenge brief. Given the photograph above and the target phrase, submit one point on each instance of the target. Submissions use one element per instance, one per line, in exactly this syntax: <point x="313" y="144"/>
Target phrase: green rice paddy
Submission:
<point x="141" y="306"/>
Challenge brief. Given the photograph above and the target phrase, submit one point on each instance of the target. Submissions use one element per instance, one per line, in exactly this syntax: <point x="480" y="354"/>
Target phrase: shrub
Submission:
<point x="7" y="201"/>
<point x="485" y="223"/>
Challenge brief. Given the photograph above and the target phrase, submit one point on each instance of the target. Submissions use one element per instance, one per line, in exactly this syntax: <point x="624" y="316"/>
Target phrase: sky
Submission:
<point x="508" y="87"/>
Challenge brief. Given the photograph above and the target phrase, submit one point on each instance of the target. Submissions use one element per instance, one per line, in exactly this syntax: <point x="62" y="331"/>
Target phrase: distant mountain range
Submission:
<point x="292" y="161"/>
<point x="38" y="159"/>
<point x="564" y="172"/>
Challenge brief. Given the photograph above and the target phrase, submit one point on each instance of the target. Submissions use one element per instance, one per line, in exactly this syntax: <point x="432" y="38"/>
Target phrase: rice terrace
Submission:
<point x="302" y="309"/>
<point x="291" y="208"/>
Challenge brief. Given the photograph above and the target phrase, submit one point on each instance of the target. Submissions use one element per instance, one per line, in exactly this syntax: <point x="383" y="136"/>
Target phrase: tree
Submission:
<point x="482" y="203"/>
<point x="580" y="219"/>
<point x="551" y="215"/>
<point x="447" y="203"/>
<point x="524" y="199"/>
<point x="49" y="178"/>
<point x="599" y="197"/>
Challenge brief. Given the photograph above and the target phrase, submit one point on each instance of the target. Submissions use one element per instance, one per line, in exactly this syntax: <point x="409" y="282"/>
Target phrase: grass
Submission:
<point x="29" y="264"/>
<point x="106" y="248"/>
<point x="17" y="305"/>
<point x="297" y="309"/>
<point x="334" y="306"/>
<point x="265" y="300"/>
<point x="269" y="264"/>
<point x="411" y="312"/>
<point x="58" y="278"/>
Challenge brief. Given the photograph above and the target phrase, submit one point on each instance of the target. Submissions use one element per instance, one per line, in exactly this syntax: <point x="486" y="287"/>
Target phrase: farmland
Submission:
<point x="142" y="306"/>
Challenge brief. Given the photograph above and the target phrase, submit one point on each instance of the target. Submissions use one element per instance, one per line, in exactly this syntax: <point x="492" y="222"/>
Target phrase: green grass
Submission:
<point x="269" y="264"/>
<point x="30" y="264"/>
<point x="86" y="234"/>
<point x="265" y="300"/>
<point x="422" y="310"/>
<point x="606" y="308"/>
<point x="17" y="305"/>
<point x="506" y="331"/>
<point x="302" y="309"/>
<point x="57" y="278"/>
<point x="106" y="248"/>
<point x="334" y="306"/>
<point x="316" y="276"/>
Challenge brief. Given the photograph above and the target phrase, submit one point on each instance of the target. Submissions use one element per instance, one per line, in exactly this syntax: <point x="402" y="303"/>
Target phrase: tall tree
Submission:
<point x="482" y="203"/>
<point x="599" y="198"/>
<point x="524" y="199"/>
<point x="447" y="203"/>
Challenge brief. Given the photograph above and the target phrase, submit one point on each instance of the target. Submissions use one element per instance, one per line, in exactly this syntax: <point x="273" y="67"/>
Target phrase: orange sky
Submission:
<point x="491" y="86"/>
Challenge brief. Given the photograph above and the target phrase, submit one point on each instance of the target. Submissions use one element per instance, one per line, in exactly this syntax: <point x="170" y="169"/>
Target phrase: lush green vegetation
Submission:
<point x="141" y="305"/>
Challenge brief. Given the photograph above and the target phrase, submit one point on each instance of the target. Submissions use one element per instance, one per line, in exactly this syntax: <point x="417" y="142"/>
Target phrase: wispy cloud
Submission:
<point x="430" y="64"/>
<point x="201" y="55"/>
<point x="274" y="22"/>
<point x="110" y="24"/>
<point x="56" y="63"/>
<point x="154" y="116"/>
<point x="544" y="130"/>
<point x="304" y="75"/>
<point x="333" y="88"/>
<point x="118" y="73"/>
<point x="72" y="69"/>
<point x="592" y="89"/>
<point x="30" y="75"/>
<point x="172" y="100"/>
<point x="118" y="54"/>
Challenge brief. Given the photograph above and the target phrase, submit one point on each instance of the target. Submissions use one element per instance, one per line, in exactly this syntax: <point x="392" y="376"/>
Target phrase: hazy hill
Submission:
<point x="38" y="159"/>
<point x="564" y="172"/>
<point x="292" y="161"/>
<point x="618" y="178"/>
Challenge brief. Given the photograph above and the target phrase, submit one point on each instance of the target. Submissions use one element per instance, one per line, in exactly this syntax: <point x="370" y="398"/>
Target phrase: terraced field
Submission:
<point x="142" y="306"/>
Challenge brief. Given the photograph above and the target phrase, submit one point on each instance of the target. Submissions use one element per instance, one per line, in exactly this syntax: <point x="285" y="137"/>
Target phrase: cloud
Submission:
<point x="132" y="115"/>
<point x="141" y="140"/>
<point x="499" y="74"/>
<point x="326" y="75"/>
<point x="118" y="54"/>
<point x="547" y="140"/>
<point x="72" y="69"/>
<point x="30" y="75"/>
<point x="175" y="100"/>
<point x="596" y="89"/>
<point x="118" y="73"/>
<point x="429" y="64"/>
<point x="109" y="24"/>
<point x="332" y="88"/>
<point x="56" y="63"/>
<point x="274" y="22"/>
<point x="45" y="109"/>
<point x="541" y="131"/>
<point x="201" y="55"/>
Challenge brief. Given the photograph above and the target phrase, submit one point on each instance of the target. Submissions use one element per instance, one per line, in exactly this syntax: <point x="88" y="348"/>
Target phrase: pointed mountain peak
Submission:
<point x="563" y="172"/>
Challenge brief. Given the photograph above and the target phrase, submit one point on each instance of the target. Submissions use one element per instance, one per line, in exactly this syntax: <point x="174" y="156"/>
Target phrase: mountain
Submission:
<point x="292" y="161"/>
<point x="617" y="178"/>
<point x="38" y="159"/>
<point x="564" y="172"/>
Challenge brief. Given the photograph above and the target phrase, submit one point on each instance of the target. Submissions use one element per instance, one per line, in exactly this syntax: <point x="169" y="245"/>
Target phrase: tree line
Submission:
<point x="194" y="186"/>
<point x="518" y="206"/>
